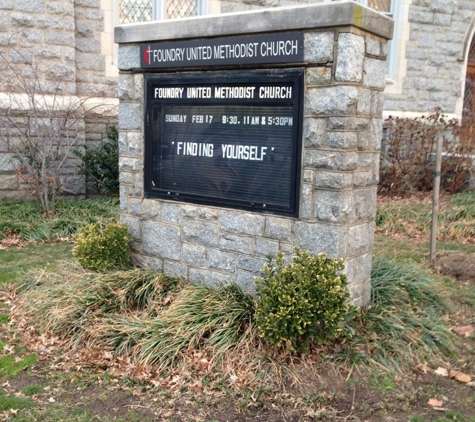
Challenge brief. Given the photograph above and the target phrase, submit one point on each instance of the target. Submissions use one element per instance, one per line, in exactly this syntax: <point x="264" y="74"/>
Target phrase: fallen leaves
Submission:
<point x="442" y="372"/>
<point x="457" y="375"/>
<point x="435" y="403"/>
<point x="465" y="331"/>
<point x="460" y="376"/>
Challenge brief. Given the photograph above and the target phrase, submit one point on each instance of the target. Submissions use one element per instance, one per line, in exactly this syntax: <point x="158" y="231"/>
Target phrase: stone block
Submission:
<point x="129" y="57"/>
<point x="135" y="142"/>
<point x="8" y="182"/>
<point x="365" y="178"/>
<point x="342" y="140"/>
<point x="368" y="160"/>
<point x="234" y="243"/>
<point x="349" y="63"/>
<point x="318" y="47"/>
<point x="308" y="176"/>
<point x="334" y="206"/>
<point x="88" y="46"/>
<point x="278" y="228"/>
<point x="95" y="4"/>
<point x="377" y="104"/>
<point x="138" y="185"/>
<point x="143" y="261"/>
<point x="335" y="100"/>
<point x="318" y="75"/>
<point x="130" y="116"/>
<point x="210" y="278"/>
<point x="49" y="22"/>
<point x="161" y="240"/>
<point x="69" y="24"/>
<point x="364" y="201"/>
<point x="139" y="87"/>
<point x="144" y="208"/>
<point x="360" y="239"/>
<point x="20" y="56"/>
<point x="321" y="238"/>
<point x="306" y="202"/>
<point x="6" y="4"/>
<point x="201" y="232"/>
<point x="171" y="212"/>
<point x="333" y="180"/>
<point x="122" y="143"/>
<point x="176" y="269"/>
<point x="421" y="15"/>
<point x="444" y="6"/>
<point x="246" y="280"/>
<point x="265" y="247"/>
<point x="47" y="52"/>
<point x="90" y="61"/>
<point x="130" y="164"/>
<point x="219" y="260"/>
<point x="189" y="211"/>
<point x="36" y="6"/>
<point x="73" y="185"/>
<point x="97" y="15"/>
<point x="241" y="222"/>
<point x="332" y="160"/>
<point x="251" y="264"/>
<point x="373" y="47"/>
<point x="374" y="74"/>
<point x="376" y="134"/>
<point x="365" y="102"/>
<point x="207" y="213"/>
<point x="59" y="38"/>
<point x="4" y="22"/>
<point x="6" y="162"/>
<point x="314" y="132"/>
<point x="360" y="293"/>
<point x="60" y="8"/>
<point x="32" y="36"/>
<point x="135" y="226"/>
<point x="194" y="255"/>
<point x="348" y="123"/>
<point x="22" y="20"/>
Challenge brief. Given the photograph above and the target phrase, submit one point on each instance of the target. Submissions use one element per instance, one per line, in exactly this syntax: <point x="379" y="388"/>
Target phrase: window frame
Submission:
<point x="159" y="9"/>
<point x="392" y="47"/>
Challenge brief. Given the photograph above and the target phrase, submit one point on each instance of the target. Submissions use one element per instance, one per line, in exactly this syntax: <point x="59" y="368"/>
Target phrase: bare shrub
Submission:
<point x="408" y="153"/>
<point x="40" y="125"/>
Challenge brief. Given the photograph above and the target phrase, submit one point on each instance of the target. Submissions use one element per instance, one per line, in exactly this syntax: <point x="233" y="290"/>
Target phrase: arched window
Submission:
<point x="131" y="11"/>
<point x="469" y="93"/>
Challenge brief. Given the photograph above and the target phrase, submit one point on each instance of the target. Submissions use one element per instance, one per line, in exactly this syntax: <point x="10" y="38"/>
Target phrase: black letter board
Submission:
<point x="229" y="139"/>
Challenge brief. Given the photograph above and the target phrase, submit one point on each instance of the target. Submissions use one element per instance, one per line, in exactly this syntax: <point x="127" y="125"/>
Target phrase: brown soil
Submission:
<point x="457" y="265"/>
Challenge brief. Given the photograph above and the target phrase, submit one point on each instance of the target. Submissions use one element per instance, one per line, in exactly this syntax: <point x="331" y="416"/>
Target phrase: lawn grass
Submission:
<point x="26" y="220"/>
<point x="16" y="261"/>
<point x="411" y="217"/>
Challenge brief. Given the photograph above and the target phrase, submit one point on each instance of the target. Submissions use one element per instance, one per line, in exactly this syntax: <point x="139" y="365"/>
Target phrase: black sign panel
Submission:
<point x="229" y="139"/>
<point x="250" y="49"/>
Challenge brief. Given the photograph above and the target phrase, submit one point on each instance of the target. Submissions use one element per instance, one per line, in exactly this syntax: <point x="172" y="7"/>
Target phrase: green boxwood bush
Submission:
<point x="103" y="247"/>
<point x="302" y="301"/>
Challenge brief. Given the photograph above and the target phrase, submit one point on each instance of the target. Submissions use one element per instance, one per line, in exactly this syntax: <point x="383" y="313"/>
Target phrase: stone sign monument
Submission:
<point x="248" y="133"/>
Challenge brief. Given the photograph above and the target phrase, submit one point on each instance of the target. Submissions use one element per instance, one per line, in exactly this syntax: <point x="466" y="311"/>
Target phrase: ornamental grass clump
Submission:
<point x="73" y="303"/>
<point x="301" y="302"/>
<point x="404" y="323"/>
<point x="103" y="247"/>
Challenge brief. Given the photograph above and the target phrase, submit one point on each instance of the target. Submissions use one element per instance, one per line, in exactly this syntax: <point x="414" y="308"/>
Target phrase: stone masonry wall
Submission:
<point x="59" y="41"/>
<point x="434" y="72"/>
<point x="341" y="140"/>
